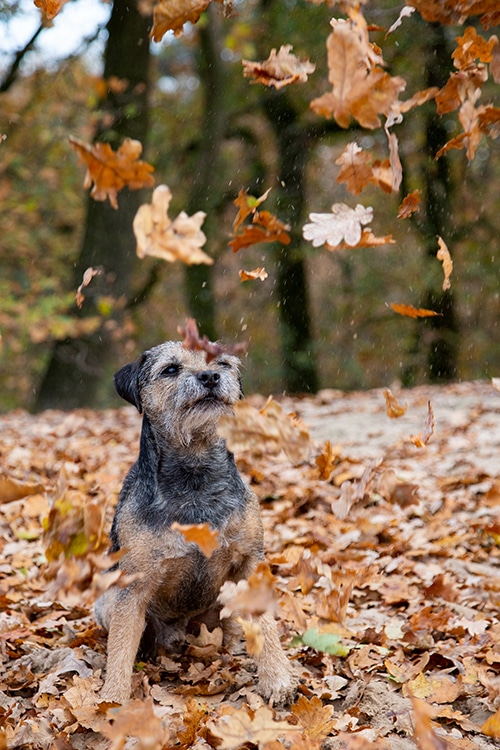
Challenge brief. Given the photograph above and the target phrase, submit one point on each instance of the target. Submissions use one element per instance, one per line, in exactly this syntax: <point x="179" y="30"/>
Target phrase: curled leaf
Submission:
<point x="280" y="69"/>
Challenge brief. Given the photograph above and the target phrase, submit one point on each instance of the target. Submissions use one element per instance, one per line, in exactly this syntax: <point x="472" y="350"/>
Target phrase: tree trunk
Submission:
<point x="206" y="190"/>
<point x="77" y="366"/>
<point x="436" y="337"/>
<point x="297" y="349"/>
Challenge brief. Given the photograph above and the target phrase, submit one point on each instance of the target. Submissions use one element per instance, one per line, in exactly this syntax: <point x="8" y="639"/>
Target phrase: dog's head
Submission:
<point x="178" y="391"/>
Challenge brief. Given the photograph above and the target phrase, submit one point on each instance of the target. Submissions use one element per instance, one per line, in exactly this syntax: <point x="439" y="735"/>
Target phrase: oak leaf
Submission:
<point x="280" y="69"/>
<point x="409" y="205"/>
<point x="315" y="719"/>
<point x="136" y="719"/>
<point x="240" y="728"/>
<point x="265" y="227"/>
<point x="489" y="121"/>
<point x="450" y="11"/>
<point x="87" y="278"/>
<point x="246" y="204"/>
<point x="254" y="638"/>
<point x="326" y="460"/>
<point x="50" y="8"/>
<point x="425" y="736"/>
<point x="354" y="168"/>
<point x="443" y="254"/>
<point x="268" y="430"/>
<point x="171" y="15"/>
<point x="361" y="89"/>
<point x="249" y="597"/>
<point x="392" y="405"/>
<point x="343" y="223"/>
<point x="257" y="273"/>
<point x="422" y="440"/>
<point x="471" y="47"/>
<point x="160" y="237"/>
<point x="201" y="534"/>
<point x="491" y="726"/>
<point x="212" y="349"/>
<point x="413" y="312"/>
<point x="111" y="170"/>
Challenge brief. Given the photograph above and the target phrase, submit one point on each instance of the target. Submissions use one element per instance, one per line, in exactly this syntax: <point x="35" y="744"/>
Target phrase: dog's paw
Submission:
<point x="279" y="688"/>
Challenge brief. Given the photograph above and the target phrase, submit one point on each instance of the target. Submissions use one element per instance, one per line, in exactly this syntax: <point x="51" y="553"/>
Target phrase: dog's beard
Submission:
<point x="198" y="421"/>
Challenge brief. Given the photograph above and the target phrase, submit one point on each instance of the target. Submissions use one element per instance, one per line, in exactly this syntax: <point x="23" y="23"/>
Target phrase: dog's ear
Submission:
<point x="126" y="382"/>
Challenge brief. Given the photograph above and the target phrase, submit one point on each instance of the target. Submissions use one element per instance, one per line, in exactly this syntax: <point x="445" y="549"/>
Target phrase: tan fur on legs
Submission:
<point x="277" y="678"/>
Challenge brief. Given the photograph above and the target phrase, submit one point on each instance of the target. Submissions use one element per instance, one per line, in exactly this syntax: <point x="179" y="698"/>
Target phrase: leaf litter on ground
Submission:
<point x="383" y="564"/>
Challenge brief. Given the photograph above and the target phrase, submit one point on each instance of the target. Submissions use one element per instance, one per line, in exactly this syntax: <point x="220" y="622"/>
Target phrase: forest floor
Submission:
<point x="386" y="563"/>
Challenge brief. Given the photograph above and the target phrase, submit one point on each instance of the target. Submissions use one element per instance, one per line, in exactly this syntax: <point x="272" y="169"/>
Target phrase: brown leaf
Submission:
<point x="425" y="736"/>
<point x="269" y="430"/>
<point x="489" y="121"/>
<point x="246" y="204"/>
<point x="280" y="69"/>
<point x="257" y="273"/>
<point x="160" y="237"/>
<point x="87" y="278"/>
<point x="325" y="460"/>
<point x="201" y="534"/>
<point x="239" y="728"/>
<point x="212" y="349"/>
<point x="413" y="312"/>
<point x="444" y="256"/>
<point x="135" y="719"/>
<point x="110" y="171"/>
<point x="13" y="489"/>
<point x="491" y="726"/>
<point x="50" y="8"/>
<point x="422" y="440"/>
<point x="265" y="228"/>
<point x="249" y="597"/>
<point x="392" y="405"/>
<point x="315" y="718"/>
<point x="254" y="638"/>
<point x="471" y="47"/>
<point x="171" y="15"/>
<point x="191" y="722"/>
<point x="409" y="205"/>
<point x="355" y="170"/>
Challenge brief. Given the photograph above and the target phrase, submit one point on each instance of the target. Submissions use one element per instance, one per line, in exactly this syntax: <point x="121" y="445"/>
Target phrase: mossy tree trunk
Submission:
<point x="77" y="366"/>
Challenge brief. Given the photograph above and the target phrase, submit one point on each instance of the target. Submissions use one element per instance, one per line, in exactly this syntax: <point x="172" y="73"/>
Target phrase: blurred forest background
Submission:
<point x="321" y="318"/>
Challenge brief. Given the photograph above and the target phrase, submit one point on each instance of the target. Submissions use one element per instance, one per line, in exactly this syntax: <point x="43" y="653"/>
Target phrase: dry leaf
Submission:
<point x="355" y="170"/>
<point x="422" y="440"/>
<point x="315" y="718"/>
<point x="409" y="205"/>
<point x="392" y="405"/>
<point x="444" y="256"/>
<point x="87" y="278"/>
<point x="50" y="8"/>
<point x="325" y="460"/>
<point x="212" y="349"/>
<point x="171" y="15"/>
<point x="201" y="534"/>
<point x="257" y="273"/>
<point x="425" y="736"/>
<point x="265" y="227"/>
<point x="344" y="223"/>
<point x="280" y="69"/>
<point x="269" y="430"/>
<point x="135" y="719"/>
<point x="361" y="89"/>
<point x="239" y="728"/>
<point x="491" y="726"/>
<point x="406" y="11"/>
<point x="111" y="170"/>
<point x="254" y="638"/>
<point x="246" y="204"/>
<point x="160" y="237"/>
<point x="13" y="489"/>
<point x="413" y="312"/>
<point x="249" y="597"/>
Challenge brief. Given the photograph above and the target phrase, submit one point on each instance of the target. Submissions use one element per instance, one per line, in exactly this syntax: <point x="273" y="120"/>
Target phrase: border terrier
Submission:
<point x="184" y="474"/>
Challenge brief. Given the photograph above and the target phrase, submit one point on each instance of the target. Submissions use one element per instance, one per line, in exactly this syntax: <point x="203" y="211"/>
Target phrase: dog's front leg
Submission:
<point x="277" y="677"/>
<point x="125" y="630"/>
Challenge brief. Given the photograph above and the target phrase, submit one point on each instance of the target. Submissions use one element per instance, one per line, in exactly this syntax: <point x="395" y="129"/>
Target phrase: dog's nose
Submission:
<point x="209" y="378"/>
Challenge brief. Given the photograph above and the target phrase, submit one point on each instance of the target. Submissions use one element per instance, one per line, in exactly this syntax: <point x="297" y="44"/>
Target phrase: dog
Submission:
<point x="184" y="474"/>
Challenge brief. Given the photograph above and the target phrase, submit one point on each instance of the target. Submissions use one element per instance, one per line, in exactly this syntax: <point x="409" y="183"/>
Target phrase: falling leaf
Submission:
<point x="171" y="15"/>
<point x="249" y="597"/>
<point x="254" y="638"/>
<point x="355" y="170"/>
<point x="257" y="273"/>
<point x="136" y="719"/>
<point x="50" y="8"/>
<point x="240" y="728"/>
<point x="12" y="489"/>
<point x="495" y="382"/>
<point x="268" y="430"/>
<point x="246" y="204"/>
<point x="413" y="312"/>
<point x="265" y="227"/>
<point x="409" y="205"/>
<point x="489" y="121"/>
<point x="201" y="534"/>
<point x="110" y="171"/>
<point x="280" y="69"/>
<point x="392" y="405"/>
<point x="87" y="278"/>
<point x="212" y="349"/>
<point x="422" y="440"/>
<point x="315" y="718"/>
<point x="344" y="223"/>
<point x="368" y="239"/>
<point x="160" y="237"/>
<point x="325" y="642"/>
<point x="444" y="256"/>
<point x="425" y="736"/>
<point x="405" y="13"/>
<point x="471" y="47"/>
<point x="361" y="89"/>
<point x="325" y="460"/>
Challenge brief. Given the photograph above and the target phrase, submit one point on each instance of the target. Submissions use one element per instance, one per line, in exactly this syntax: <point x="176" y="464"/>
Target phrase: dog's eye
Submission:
<point x="224" y="363"/>
<point x="170" y="370"/>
